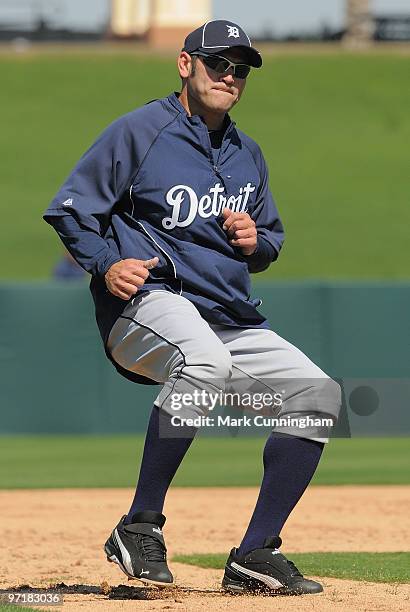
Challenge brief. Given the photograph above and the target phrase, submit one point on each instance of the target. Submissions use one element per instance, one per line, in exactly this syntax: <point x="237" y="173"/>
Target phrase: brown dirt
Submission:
<point x="56" y="536"/>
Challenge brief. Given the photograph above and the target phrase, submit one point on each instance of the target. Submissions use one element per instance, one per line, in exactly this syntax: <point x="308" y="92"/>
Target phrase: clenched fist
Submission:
<point x="241" y="228"/>
<point x="125" y="277"/>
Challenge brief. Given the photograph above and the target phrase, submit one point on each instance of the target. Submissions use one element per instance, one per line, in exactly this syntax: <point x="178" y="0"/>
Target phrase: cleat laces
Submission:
<point x="153" y="549"/>
<point x="293" y="569"/>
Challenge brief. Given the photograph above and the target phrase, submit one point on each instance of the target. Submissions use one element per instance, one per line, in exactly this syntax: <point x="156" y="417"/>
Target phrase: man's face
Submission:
<point x="215" y="92"/>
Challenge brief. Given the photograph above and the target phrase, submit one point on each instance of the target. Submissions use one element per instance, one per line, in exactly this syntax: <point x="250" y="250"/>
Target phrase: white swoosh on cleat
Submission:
<point x="268" y="580"/>
<point x="126" y="559"/>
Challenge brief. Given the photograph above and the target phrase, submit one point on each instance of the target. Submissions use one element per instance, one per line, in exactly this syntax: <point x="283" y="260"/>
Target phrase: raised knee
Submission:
<point x="328" y="395"/>
<point x="221" y="365"/>
<point x="334" y="391"/>
<point x="217" y="365"/>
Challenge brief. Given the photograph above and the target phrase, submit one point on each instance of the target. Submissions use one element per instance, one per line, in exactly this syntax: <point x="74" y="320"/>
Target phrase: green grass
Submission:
<point x="373" y="567"/>
<point x="86" y="461"/>
<point x="334" y="130"/>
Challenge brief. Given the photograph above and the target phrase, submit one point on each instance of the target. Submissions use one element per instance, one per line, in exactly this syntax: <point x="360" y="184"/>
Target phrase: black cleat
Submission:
<point x="266" y="570"/>
<point x="139" y="548"/>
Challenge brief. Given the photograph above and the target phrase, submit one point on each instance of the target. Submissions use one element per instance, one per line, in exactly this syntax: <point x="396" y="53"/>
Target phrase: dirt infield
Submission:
<point x="56" y="536"/>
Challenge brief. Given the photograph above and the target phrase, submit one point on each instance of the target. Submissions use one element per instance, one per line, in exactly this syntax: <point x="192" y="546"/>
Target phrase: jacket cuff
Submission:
<point x="104" y="264"/>
<point x="262" y="257"/>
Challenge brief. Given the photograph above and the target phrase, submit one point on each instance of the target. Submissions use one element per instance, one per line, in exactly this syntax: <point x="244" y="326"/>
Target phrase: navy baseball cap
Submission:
<point x="219" y="35"/>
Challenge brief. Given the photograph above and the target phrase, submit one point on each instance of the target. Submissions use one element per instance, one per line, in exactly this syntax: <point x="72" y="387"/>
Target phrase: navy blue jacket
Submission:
<point x="150" y="187"/>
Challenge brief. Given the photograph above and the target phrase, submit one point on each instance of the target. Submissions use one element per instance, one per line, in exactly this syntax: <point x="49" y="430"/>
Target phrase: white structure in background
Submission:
<point x="164" y="23"/>
<point x="130" y="18"/>
<point x="359" y="23"/>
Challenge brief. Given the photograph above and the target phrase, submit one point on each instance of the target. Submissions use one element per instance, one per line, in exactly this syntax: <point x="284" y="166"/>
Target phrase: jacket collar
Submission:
<point x="196" y="119"/>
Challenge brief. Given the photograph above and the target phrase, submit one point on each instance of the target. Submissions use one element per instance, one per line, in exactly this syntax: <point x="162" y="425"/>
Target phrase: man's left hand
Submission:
<point x="241" y="230"/>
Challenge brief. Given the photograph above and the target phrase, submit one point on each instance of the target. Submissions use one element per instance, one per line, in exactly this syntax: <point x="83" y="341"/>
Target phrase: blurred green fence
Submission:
<point x="55" y="378"/>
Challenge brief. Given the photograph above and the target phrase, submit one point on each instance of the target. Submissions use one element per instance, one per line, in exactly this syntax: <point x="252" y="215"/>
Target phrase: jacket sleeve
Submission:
<point x="88" y="248"/>
<point x="81" y="210"/>
<point x="268" y="224"/>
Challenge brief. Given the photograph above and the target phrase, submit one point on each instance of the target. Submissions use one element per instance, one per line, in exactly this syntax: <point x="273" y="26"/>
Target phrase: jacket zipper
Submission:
<point x="215" y="164"/>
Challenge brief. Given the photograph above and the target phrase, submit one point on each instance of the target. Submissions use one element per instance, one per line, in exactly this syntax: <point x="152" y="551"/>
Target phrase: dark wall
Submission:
<point x="54" y="375"/>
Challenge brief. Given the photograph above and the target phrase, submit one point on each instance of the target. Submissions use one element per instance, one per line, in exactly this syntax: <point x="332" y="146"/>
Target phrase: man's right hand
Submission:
<point x="125" y="277"/>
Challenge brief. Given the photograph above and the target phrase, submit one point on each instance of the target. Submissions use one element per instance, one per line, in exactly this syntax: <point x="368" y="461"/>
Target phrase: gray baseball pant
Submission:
<point x="161" y="335"/>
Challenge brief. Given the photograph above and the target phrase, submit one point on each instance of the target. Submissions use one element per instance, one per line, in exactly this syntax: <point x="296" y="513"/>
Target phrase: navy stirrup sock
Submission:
<point x="161" y="459"/>
<point x="289" y="464"/>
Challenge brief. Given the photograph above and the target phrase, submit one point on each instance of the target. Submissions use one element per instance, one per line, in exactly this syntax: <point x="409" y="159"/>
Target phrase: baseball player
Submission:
<point x="170" y="211"/>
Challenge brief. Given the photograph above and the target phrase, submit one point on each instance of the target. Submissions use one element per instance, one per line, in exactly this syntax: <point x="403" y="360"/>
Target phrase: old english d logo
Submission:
<point x="233" y="32"/>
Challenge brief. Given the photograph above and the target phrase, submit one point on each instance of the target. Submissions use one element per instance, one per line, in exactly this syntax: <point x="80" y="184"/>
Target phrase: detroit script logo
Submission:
<point x="211" y="204"/>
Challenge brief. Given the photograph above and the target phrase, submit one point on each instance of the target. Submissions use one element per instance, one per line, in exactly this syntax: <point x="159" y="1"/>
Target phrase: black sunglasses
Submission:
<point x="221" y="64"/>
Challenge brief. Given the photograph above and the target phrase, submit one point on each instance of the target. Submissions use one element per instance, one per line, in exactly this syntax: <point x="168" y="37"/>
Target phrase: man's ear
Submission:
<point x="184" y="65"/>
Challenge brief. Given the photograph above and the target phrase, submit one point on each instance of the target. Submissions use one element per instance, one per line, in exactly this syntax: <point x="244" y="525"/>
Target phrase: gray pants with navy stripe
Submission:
<point x="162" y="336"/>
